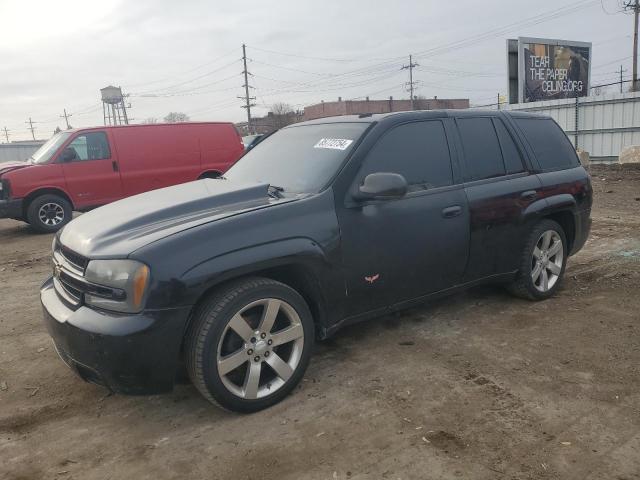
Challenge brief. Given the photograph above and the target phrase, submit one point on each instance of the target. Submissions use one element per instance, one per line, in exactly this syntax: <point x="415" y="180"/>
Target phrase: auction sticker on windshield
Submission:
<point x="333" y="143"/>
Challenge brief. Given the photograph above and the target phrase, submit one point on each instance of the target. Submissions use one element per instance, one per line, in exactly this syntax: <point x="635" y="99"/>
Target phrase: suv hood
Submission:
<point x="8" y="166"/>
<point x="118" y="229"/>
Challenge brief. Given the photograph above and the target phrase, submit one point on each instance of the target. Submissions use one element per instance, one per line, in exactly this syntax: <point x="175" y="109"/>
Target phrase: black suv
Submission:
<point x="323" y="224"/>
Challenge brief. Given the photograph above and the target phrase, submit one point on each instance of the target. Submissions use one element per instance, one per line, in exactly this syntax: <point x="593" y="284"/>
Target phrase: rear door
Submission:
<point x="499" y="188"/>
<point x="92" y="175"/>
<point x="395" y="250"/>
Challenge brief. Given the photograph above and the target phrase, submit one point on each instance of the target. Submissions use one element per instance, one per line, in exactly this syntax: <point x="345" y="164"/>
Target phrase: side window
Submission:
<point x="91" y="146"/>
<point x="510" y="152"/>
<point x="549" y="143"/>
<point x="419" y="151"/>
<point x="481" y="148"/>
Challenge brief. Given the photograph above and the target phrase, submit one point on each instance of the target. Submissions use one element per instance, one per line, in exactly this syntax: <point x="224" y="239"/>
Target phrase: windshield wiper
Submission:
<point x="275" y="191"/>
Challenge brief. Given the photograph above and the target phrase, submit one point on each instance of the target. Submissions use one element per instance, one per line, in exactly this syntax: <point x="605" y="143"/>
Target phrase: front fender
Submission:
<point x="300" y="251"/>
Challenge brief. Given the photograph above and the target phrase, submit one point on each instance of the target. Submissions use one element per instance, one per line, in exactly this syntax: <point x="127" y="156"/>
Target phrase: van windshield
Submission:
<point x="46" y="151"/>
<point x="300" y="159"/>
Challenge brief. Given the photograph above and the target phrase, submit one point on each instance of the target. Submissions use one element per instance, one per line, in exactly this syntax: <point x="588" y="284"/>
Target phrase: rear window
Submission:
<point x="550" y="145"/>
<point x="481" y="148"/>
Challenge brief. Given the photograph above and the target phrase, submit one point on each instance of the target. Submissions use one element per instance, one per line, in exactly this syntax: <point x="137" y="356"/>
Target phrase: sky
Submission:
<point x="187" y="56"/>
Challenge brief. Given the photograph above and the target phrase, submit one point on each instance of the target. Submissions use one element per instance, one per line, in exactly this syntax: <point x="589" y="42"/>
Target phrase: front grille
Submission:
<point x="68" y="271"/>
<point x="75" y="259"/>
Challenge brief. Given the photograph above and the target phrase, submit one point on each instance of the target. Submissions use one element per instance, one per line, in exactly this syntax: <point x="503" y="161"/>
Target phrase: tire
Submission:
<point x="534" y="266"/>
<point x="223" y="364"/>
<point x="49" y="213"/>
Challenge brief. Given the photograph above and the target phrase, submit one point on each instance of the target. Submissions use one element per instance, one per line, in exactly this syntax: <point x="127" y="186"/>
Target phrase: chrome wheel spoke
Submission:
<point x="287" y="335"/>
<point x="545" y="280"/>
<point x="231" y="362"/>
<point x="553" y="268"/>
<point x="537" y="253"/>
<point x="555" y="249"/>
<point x="535" y="274"/>
<point x="282" y="368"/>
<point x="546" y="239"/>
<point x="239" y="325"/>
<point x="252" y="380"/>
<point x="269" y="315"/>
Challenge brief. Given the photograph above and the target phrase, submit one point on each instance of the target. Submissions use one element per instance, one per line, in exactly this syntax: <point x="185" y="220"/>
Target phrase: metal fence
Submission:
<point x="18" y="151"/>
<point x="601" y="125"/>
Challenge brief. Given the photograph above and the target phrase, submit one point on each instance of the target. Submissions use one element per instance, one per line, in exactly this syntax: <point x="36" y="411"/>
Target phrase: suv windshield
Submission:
<point x="299" y="159"/>
<point x="44" y="153"/>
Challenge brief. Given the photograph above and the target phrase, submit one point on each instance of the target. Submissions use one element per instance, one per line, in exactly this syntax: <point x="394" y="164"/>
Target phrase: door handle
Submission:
<point x="452" y="211"/>
<point x="114" y="164"/>
<point x="529" y="195"/>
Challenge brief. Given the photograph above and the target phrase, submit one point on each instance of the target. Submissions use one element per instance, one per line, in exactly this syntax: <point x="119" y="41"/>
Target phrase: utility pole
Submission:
<point x="32" y="128"/>
<point x="411" y="82"/>
<point x="6" y="134"/>
<point x="246" y="86"/>
<point x="635" y="6"/>
<point x="621" y="81"/>
<point x="498" y="100"/>
<point x="66" y="118"/>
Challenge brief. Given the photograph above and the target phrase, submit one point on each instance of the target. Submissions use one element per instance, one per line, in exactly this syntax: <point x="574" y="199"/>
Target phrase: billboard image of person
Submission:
<point x="553" y="71"/>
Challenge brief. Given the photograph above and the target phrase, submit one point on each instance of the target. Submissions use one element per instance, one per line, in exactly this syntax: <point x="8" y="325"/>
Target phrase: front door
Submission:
<point x="91" y="173"/>
<point x="396" y="250"/>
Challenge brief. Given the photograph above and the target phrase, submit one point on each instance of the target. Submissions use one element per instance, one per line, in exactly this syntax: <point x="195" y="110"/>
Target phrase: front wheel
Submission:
<point x="542" y="263"/>
<point x="49" y="213"/>
<point x="249" y="345"/>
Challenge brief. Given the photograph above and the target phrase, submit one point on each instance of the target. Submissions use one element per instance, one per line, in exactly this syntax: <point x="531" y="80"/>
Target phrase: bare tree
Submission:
<point x="175" y="117"/>
<point x="150" y="120"/>
<point x="283" y="115"/>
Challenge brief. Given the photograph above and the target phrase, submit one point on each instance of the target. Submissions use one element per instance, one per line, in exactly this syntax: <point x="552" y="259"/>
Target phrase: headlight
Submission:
<point x="119" y="285"/>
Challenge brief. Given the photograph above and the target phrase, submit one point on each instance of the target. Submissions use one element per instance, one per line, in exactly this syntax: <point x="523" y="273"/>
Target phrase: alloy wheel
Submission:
<point x="546" y="261"/>
<point x="51" y="214"/>
<point x="260" y="348"/>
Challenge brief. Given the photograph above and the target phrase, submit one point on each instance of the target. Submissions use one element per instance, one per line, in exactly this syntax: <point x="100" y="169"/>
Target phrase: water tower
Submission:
<point x="114" y="110"/>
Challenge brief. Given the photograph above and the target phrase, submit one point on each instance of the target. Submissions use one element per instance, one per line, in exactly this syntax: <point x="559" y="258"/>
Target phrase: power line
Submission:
<point x="184" y="72"/>
<point x="531" y="21"/>
<point x="189" y="80"/>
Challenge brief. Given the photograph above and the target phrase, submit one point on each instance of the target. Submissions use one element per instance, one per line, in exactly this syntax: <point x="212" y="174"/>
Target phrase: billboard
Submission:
<point x="544" y="69"/>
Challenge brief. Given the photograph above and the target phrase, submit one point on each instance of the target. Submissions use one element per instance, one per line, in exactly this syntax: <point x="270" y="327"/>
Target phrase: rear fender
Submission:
<point x="545" y="206"/>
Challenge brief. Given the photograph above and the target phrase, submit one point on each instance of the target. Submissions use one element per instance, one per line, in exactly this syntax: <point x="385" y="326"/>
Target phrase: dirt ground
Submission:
<point x="476" y="386"/>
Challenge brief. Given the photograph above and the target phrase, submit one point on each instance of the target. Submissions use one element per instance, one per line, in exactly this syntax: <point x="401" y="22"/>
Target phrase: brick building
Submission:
<point x="357" y="107"/>
<point x="270" y="122"/>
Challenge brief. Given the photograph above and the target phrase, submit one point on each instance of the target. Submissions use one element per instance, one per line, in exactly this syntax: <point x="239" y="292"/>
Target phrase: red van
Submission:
<point x="85" y="168"/>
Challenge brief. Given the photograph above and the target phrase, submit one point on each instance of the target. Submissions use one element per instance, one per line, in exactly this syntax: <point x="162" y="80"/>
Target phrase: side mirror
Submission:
<point x="382" y="186"/>
<point x="68" y="154"/>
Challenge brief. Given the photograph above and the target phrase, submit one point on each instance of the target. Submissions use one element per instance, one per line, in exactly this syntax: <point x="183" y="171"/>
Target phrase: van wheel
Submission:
<point x="48" y="213"/>
<point x="213" y="175"/>
<point x="543" y="262"/>
<point x="249" y="344"/>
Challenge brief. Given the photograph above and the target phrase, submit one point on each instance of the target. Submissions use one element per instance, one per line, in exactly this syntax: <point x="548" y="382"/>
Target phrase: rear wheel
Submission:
<point x="542" y="263"/>
<point x="249" y="344"/>
<point x="49" y="213"/>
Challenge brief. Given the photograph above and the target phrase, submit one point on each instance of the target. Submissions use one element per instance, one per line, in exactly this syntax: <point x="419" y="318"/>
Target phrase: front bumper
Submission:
<point x="130" y="354"/>
<point x="11" y="208"/>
